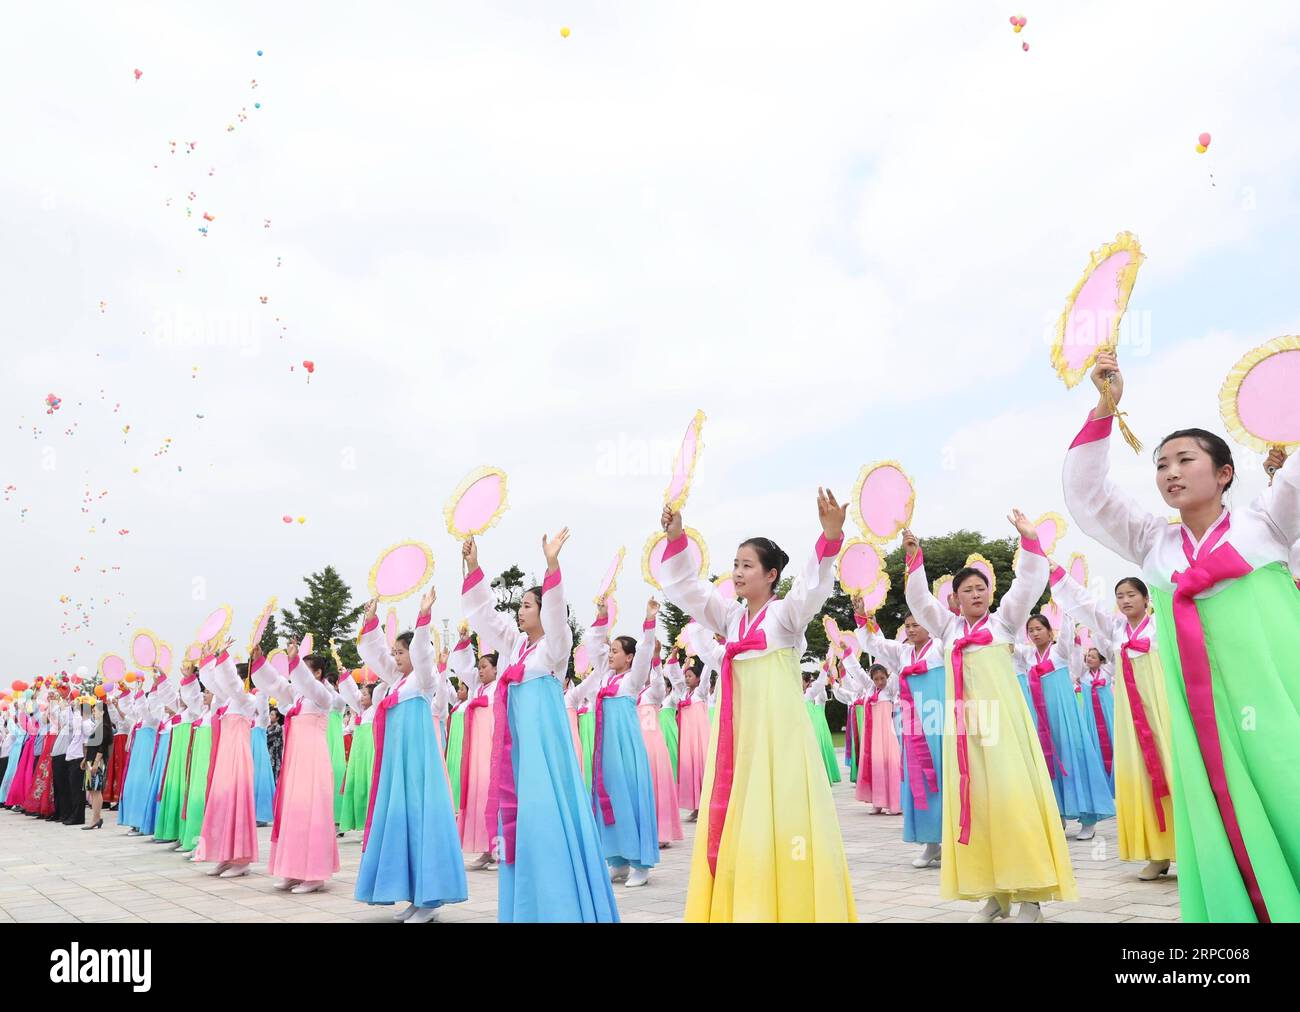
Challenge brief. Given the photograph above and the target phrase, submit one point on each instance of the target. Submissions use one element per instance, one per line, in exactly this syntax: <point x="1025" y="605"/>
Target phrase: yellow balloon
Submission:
<point x="1017" y="29"/>
<point x="564" y="33"/>
<point x="302" y="520"/>
<point x="1201" y="149"/>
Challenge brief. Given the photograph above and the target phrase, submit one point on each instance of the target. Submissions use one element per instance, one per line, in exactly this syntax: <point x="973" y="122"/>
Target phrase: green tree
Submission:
<point x="270" y="639"/>
<point x="673" y="619"/>
<point x="509" y="589"/>
<point x="328" y="614"/>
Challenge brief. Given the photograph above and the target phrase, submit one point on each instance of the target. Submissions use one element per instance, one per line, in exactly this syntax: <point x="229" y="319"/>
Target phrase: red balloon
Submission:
<point x="309" y="365"/>
<point x="1025" y="46"/>
<point x="287" y="519"/>
<point x="1204" y="139"/>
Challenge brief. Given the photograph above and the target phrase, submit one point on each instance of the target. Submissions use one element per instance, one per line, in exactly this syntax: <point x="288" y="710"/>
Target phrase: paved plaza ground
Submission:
<point x="50" y="872"/>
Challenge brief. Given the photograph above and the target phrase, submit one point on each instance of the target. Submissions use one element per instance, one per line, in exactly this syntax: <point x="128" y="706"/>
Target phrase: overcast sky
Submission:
<point x="844" y="230"/>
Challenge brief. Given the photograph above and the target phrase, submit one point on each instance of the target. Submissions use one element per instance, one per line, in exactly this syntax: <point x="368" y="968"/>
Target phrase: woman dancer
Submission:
<point x="814" y="701"/>
<point x="475" y="770"/>
<point x="649" y="707"/>
<point x="229" y="835"/>
<point x="1002" y="837"/>
<point x="1231" y="613"/>
<point x="361" y="760"/>
<point x="769" y="846"/>
<point x="263" y="777"/>
<point x="692" y="698"/>
<point x="552" y="864"/>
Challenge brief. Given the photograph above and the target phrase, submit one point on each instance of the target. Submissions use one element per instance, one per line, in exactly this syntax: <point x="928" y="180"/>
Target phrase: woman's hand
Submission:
<point x="1276" y="458"/>
<point x="551" y="549"/>
<point x="831" y="514"/>
<point x="469" y="552"/>
<point x="910" y="544"/>
<point x="1023" y="524"/>
<point x="651" y="610"/>
<point x="1107" y="368"/>
<point x="292" y="648"/>
<point x="372" y="606"/>
<point x="426" y="601"/>
<point x="602" y="610"/>
<point x="671" y="521"/>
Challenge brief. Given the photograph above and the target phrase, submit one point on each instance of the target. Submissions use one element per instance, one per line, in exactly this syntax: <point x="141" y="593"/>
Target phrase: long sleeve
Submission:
<point x="350" y="693"/>
<point x="375" y="652"/>
<point x="925" y="607"/>
<point x="891" y="653"/>
<point x="1080" y="605"/>
<point x="687" y="590"/>
<point x="1280" y="502"/>
<point x="857" y="676"/>
<point x="1100" y="508"/>
<point x="706" y="648"/>
<point x="464" y="665"/>
<point x="306" y="684"/>
<point x="268" y="681"/>
<point x="424" y="665"/>
<point x="811" y="587"/>
<point x="642" y="661"/>
<point x="557" y="637"/>
<point x="1026" y="588"/>
<point x="843" y="692"/>
<point x="675" y="676"/>
<point x="480" y="607"/>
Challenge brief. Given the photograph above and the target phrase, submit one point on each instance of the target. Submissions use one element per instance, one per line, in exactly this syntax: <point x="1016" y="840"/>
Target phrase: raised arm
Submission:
<point x="816" y="581"/>
<point x="646" y="651"/>
<point x="306" y="684"/>
<point x="925" y="607"/>
<point x="1097" y="504"/>
<point x="1082" y="606"/>
<point x="374" y="649"/>
<point x="424" y="664"/>
<point x="350" y="693"/>
<point x="1280" y="502"/>
<point x="891" y="653"/>
<point x="1026" y="588"/>
<point x="480" y="606"/>
<point x="683" y="585"/>
<point x="557" y="637"/>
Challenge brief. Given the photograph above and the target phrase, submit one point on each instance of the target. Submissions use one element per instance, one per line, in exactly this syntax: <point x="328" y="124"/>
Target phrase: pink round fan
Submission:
<point x="883" y="501"/>
<point x="688" y="454"/>
<point x="977" y="561"/>
<point x="111" y="668"/>
<point x="215" y="625"/>
<point x="144" y="649"/>
<point x="832" y="628"/>
<point x="390" y="628"/>
<point x="875" y="596"/>
<point x="609" y="582"/>
<point x="726" y="586"/>
<point x="279" y="660"/>
<point x="1085" y="638"/>
<point x="193" y="652"/>
<point x="259" y="627"/>
<point x="652" y="558"/>
<point x="1078" y="569"/>
<point x="1052" y="612"/>
<point x="1051" y="528"/>
<point x="165" y="657"/>
<point x="581" y="660"/>
<point x="306" y="646"/>
<point x="477" y="503"/>
<point x="1093" y="311"/>
<point x="611" y="609"/>
<point x="942" y="591"/>
<point x="1258" y="400"/>
<point x="849" y="645"/>
<point x="859" y="566"/>
<point x="401" y="571"/>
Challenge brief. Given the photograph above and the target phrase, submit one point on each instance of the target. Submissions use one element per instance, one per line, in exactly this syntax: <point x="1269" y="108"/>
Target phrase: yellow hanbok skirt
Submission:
<point x="781" y="856"/>
<point x="1138" y="825"/>
<point x="1017" y="848"/>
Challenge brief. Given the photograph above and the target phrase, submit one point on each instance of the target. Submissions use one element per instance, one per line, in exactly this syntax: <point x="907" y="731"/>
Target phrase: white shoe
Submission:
<point x="218" y="869"/>
<point x="1153" y="871"/>
<point x="872" y="809"/>
<point x="990" y="912"/>
<point x="1030" y="913"/>
<point x="928" y="857"/>
<point x="423" y="915"/>
<point x="193" y="856"/>
<point x="693" y="817"/>
<point x="135" y="832"/>
<point x="890" y="811"/>
<point x="620" y="873"/>
<point x="492" y="866"/>
<point x="174" y="845"/>
<point x="285" y="884"/>
<point x="236" y="871"/>
<point x="302" y="888"/>
<point x="402" y="915"/>
<point x="479" y="863"/>
<point x="1086" y="832"/>
<point x="637" y="877"/>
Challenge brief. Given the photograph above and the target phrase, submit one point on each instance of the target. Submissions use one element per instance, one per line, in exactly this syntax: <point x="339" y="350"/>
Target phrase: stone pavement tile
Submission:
<point x="1074" y="914"/>
<point x="1150" y="910"/>
<point x="908" y="913"/>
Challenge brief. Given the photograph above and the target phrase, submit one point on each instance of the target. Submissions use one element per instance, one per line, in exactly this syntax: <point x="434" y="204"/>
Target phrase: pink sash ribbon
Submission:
<point x="977" y="637"/>
<point x="1141" y="723"/>
<point x="1099" y="715"/>
<point x="1213" y="564"/>
<point x="503" y="802"/>
<point x="724" y="765"/>
<point x="1036" y="674"/>
<point x="921" y="775"/>
<point x="598" y="778"/>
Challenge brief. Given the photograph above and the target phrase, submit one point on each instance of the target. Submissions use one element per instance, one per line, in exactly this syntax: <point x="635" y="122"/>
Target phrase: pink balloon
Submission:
<point x="1204" y="139"/>
<point x="1095" y="309"/>
<point x="401" y="570"/>
<point x="287" y="519"/>
<point x="1267" y="400"/>
<point x="1023" y="22"/>
<point x="477" y="504"/>
<point x="859" y="567"/>
<point x="112" y="668"/>
<point x="144" y="651"/>
<point x="213" y="624"/>
<point x="684" y="462"/>
<point x="1014" y="20"/>
<point x="885" y="502"/>
<point x="1025" y="46"/>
